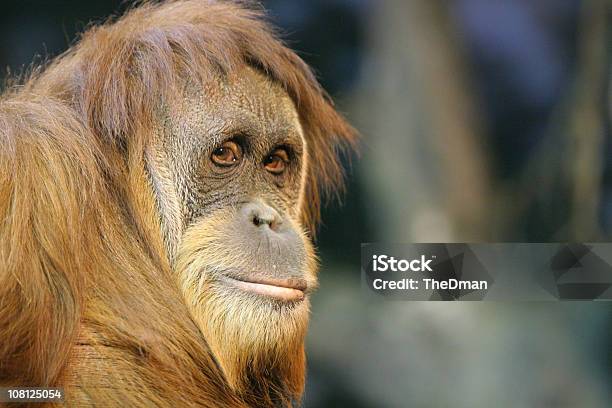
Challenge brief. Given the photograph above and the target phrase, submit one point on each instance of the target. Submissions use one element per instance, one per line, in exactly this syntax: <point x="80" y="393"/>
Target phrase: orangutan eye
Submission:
<point x="226" y="155"/>
<point x="277" y="161"/>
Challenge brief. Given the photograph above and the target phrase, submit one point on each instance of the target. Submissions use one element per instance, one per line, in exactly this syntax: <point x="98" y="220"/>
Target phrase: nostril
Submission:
<point x="262" y="215"/>
<point x="258" y="221"/>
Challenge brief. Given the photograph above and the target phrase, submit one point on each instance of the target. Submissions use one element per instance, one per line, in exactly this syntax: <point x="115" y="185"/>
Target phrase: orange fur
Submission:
<point x="87" y="298"/>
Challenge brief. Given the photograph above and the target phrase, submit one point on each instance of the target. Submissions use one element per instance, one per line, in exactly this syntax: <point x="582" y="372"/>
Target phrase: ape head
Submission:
<point x="188" y="146"/>
<point x="228" y="167"/>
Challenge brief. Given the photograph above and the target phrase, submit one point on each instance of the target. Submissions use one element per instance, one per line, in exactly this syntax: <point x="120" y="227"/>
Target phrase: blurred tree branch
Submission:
<point x="426" y="168"/>
<point x="561" y="184"/>
<point x="586" y="127"/>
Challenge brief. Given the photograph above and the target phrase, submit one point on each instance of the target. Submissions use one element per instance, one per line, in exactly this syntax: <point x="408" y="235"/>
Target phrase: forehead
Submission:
<point x="244" y="101"/>
<point x="251" y="92"/>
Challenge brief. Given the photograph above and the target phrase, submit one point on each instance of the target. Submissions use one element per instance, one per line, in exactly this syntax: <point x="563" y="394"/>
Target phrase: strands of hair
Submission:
<point x="84" y="277"/>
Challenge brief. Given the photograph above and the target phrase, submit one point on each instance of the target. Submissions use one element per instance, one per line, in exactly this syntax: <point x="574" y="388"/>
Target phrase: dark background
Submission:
<point x="481" y="121"/>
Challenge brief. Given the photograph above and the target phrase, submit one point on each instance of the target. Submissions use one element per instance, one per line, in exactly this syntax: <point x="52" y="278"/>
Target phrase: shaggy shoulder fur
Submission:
<point x="86" y="301"/>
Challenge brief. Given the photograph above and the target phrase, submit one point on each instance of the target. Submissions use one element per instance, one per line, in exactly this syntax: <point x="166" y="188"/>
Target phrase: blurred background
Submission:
<point x="482" y="121"/>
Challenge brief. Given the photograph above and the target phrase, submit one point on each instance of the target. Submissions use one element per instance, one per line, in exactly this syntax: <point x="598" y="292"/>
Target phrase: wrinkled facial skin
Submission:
<point x="230" y="220"/>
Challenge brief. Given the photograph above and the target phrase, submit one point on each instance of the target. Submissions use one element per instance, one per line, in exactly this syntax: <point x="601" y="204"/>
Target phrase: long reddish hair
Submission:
<point x="82" y="266"/>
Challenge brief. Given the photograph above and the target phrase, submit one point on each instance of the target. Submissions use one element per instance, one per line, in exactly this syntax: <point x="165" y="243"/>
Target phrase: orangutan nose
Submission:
<point x="263" y="216"/>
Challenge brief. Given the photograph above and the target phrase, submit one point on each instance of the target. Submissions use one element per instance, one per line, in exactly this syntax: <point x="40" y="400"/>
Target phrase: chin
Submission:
<point x="250" y="331"/>
<point x="251" y="304"/>
<point x="257" y="314"/>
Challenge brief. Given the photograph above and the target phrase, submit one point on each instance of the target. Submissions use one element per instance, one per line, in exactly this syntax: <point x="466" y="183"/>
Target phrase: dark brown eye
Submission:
<point x="226" y="155"/>
<point x="276" y="162"/>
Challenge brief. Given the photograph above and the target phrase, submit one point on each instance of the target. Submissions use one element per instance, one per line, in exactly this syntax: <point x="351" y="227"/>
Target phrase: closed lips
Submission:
<point x="287" y="290"/>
